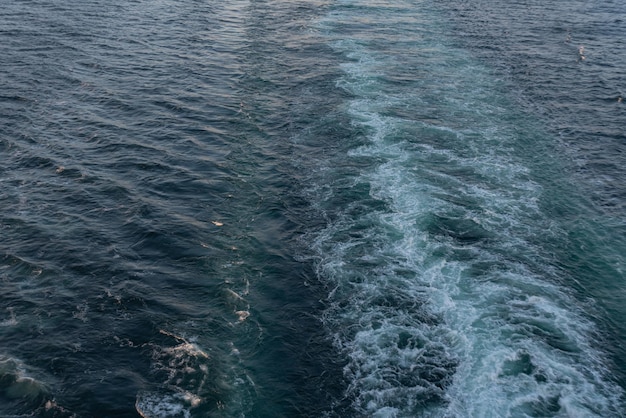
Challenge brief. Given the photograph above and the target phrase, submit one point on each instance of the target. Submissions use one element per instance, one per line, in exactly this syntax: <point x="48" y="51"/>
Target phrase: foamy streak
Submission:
<point x="444" y="303"/>
<point x="194" y="382"/>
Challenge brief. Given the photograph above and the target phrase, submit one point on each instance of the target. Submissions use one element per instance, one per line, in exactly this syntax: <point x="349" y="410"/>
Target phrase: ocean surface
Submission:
<point x="322" y="208"/>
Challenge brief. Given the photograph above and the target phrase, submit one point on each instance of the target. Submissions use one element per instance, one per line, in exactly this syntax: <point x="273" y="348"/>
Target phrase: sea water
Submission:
<point x="312" y="208"/>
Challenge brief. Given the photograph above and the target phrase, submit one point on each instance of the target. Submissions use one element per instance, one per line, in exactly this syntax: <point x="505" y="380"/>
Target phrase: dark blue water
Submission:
<point x="321" y="208"/>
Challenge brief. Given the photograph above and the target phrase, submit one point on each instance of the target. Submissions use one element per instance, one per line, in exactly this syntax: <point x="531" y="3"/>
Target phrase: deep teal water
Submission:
<point x="322" y="208"/>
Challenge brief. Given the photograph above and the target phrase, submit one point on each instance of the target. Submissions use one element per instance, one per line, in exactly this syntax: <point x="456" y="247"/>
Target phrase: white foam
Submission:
<point x="159" y="406"/>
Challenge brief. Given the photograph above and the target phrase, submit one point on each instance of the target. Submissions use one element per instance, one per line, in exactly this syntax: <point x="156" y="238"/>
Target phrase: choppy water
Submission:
<point x="312" y="208"/>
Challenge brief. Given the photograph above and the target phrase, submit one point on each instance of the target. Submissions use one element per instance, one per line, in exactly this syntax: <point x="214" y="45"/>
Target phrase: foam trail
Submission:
<point x="444" y="300"/>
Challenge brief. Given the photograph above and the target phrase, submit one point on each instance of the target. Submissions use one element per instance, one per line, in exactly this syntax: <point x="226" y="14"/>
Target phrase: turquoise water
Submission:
<point x="327" y="208"/>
